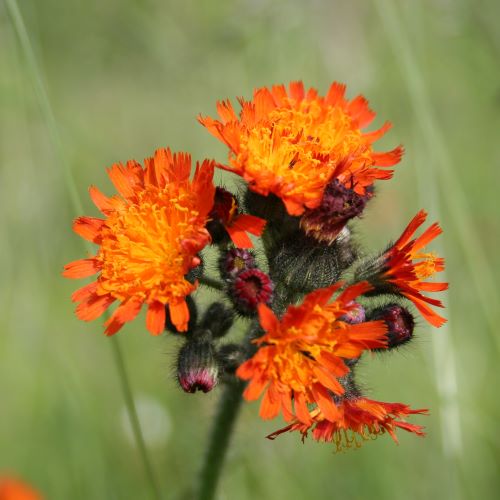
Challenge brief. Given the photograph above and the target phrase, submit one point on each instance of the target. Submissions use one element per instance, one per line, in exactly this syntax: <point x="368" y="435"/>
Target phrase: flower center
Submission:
<point x="298" y="149"/>
<point x="141" y="250"/>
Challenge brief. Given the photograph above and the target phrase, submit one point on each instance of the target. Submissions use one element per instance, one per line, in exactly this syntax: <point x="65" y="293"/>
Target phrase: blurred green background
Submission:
<point x="126" y="77"/>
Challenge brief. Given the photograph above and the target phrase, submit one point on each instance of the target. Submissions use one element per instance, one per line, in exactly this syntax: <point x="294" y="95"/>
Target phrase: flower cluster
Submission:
<point x="313" y="306"/>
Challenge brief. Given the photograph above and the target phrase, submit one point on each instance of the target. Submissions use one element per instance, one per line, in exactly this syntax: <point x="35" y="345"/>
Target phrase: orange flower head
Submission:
<point x="148" y="241"/>
<point x="359" y="419"/>
<point x="14" y="489"/>
<point x="301" y="357"/>
<point x="293" y="143"/>
<point x="408" y="266"/>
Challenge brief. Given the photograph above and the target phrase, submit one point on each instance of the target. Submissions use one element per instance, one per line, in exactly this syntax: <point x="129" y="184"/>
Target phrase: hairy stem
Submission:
<point x="220" y="436"/>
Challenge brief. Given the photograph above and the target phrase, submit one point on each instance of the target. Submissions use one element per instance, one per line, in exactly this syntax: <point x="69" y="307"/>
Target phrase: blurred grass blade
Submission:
<point x="46" y="109"/>
<point x="454" y="195"/>
<point x="443" y="349"/>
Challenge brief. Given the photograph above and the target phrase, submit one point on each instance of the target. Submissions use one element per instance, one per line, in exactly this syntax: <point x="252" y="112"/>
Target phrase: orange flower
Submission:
<point x="148" y="241"/>
<point x="13" y="489"/>
<point x="407" y="267"/>
<point x="300" y="358"/>
<point x="294" y="143"/>
<point x="359" y="419"/>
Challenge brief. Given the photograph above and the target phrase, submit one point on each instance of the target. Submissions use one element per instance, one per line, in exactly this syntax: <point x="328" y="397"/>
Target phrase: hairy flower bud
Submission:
<point x="400" y="323"/>
<point x="217" y="319"/>
<point x="236" y="260"/>
<point x="338" y="205"/>
<point x="197" y="366"/>
<point x="249" y="289"/>
<point x="304" y="264"/>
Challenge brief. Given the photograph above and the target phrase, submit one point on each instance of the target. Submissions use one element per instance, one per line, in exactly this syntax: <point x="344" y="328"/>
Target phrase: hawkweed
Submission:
<point x="312" y="304"/>
<point x="12" y="488"/>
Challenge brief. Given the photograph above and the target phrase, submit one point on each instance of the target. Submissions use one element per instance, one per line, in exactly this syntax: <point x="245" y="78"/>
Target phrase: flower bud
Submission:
<point x="197" y="366"/>
<point x="217" y="319"/>
<point x="338" y="206"/>
<point x="399" y="321"/>
<point x="356" y="315"/>
<point x="250" y="288"/>
<point x="236" y="260"/>
<point x="304" y="264"/>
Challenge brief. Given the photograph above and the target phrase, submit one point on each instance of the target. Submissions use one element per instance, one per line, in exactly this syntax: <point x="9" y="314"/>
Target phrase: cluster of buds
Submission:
<point x="288" y="264"/>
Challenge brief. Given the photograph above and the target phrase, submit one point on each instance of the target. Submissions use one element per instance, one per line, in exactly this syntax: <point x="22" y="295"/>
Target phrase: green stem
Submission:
<point x="219" y="439"/>
<point x="48" y="115"/>
<point x="134" y="419"/>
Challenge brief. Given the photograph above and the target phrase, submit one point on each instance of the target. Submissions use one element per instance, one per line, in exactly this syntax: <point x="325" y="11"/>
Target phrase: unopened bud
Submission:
<point x="235" y="261"/>
<point x="355" y="315"/>
<point x="304" y="264"/>
<point x="197" y="366"/>
<point x="399" y="321"/>
<point x="338" y="206"/>
<point x="217" y="319"/>
<point x="249" y="289"/>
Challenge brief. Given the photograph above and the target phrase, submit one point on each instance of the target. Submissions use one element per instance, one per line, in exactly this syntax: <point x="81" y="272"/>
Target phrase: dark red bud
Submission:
<point x="249" y="289"/>
<point x="235" y="261"/>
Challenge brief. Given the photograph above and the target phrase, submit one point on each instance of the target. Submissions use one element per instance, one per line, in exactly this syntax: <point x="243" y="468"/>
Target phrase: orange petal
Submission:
<point x="359" y="111"/>
<point x="126" y="311"/>
<point x="325" y="402"/>
<point x="328" y="380"/>
<point x="270" y="406"/>
<point x="335" y="94"/>
<point x="104" y="203"/>
<point x="389" y="158"/>
<point x="301" y="409"/>
<point x="84" y="293"/>
<point x="81" y="268"/>
<point x="239" y="237"/>
<point x="179" y="315"/>
<point x="293" y="207"/>
<point x="431" y="316"/>
<point x="226" y="111"/>
<point x="427" y="236"/>
<point x="251" y="223"/>
<point x="333" y="364"/>
<point x="410" y="229"/>
<point x="254" y="388"/>
<point x="93" y="307"/>
<point x="297" y="91"/>
<point x="267" y="318"/>
<point x="155" y="318"/>
<point x="88" y="228"/>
